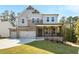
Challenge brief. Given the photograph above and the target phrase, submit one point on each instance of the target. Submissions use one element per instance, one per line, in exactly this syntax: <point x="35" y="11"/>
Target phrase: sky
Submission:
<point x="64" y="10"/>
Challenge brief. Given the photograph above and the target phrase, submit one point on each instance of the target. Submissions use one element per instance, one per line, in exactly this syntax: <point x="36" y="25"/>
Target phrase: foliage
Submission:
<point x="8" y="16"/>
<point x="68" y="29"/>
<point x="77" y="30"/>
<point x="75" y="18"/>
<point x="62" y="19"/>
<point x="70" y="35"/>
<point x="69" y="19"/>
<point x="12" y="16"/>
<point x="5" y="15"/>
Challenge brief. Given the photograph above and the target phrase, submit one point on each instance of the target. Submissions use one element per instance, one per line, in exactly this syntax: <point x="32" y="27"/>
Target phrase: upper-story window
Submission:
<point x="47" y="19"/>
<point x="37" y="20"/>
<point x="22" y="20"/>
<point x="33" y="20"/>
<point x="52" y="19"/>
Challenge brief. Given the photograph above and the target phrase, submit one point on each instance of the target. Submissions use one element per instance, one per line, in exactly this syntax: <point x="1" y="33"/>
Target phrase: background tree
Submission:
<point x="75" y="18"/>
<point x="9" y="16"/>
<point x="71" y="34"/>
<point x="12" y="16"/>
<point x="77" y="30"/>
<point x="68" y="29"/>
<point x="62" y="19"/>
<point x="5" y="15"/>
<point x="69" y="19"/>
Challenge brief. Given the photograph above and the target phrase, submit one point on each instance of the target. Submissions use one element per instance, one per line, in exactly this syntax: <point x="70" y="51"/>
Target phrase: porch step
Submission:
<point x="39" y="38"/>
<point x="55" y="38"/>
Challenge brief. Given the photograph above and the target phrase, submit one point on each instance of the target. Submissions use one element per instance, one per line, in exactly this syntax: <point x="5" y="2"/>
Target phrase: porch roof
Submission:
<point x="58" y="24"/>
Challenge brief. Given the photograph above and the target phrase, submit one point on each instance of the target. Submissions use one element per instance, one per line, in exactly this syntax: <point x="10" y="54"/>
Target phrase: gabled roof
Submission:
<point x="29" y="8"/>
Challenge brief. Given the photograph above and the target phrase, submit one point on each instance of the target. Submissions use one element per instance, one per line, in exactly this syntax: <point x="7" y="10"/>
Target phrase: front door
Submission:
<point x="39" y="32"/>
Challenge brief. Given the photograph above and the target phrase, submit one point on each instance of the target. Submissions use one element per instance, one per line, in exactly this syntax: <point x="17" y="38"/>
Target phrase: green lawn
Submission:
<point x="41" y="47"/>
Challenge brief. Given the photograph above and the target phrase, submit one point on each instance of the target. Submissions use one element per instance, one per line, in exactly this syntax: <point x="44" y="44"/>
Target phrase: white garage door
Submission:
<point x="27" y="34"/>
<point x="13" y="35"/>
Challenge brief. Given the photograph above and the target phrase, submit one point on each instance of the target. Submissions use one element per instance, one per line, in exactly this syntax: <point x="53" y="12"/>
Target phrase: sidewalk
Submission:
<point x="72" y="44"/>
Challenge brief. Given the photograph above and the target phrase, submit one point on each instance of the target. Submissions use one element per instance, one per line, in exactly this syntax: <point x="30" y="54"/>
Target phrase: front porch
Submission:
<point x="48" y="30"/>
<point x="51" y="32"/>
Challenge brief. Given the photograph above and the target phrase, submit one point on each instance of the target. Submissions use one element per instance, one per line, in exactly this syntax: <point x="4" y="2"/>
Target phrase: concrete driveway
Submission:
<point x="8" y="43"/>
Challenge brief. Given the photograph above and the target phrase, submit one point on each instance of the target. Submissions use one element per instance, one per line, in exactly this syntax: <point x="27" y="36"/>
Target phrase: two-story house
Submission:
<point x="33" y="24"/>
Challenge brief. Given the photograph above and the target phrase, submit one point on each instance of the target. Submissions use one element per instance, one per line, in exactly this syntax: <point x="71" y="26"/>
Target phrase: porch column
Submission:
<point x="17" y="33"/>
<point x="9" y="33"/>
<point x="42" y="32"/>
<point x="60" y="30"/>
<point x="55" y="30"/>
<point x="36" y="32"/>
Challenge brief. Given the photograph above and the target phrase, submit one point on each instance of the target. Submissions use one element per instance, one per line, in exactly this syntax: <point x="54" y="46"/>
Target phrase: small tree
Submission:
<point x="68" y="30"/>
<point x="77" y="30"/>
<point x="62" y="19"/>
<point x="5" y="15"/>
<point x="75" y="18"/>
<point x="12" y="16"/>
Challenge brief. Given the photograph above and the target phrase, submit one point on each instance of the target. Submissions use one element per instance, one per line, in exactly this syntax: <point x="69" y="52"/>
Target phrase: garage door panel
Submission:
<point x="13" y="35"/>
<point x="27" y="34"/>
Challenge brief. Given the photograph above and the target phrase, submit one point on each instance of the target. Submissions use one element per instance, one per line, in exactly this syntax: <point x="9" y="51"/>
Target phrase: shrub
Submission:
<point x="69" y="35"/>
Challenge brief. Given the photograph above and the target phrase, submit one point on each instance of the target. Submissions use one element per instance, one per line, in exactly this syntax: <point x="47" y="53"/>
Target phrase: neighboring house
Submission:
<point x="5" y="24"/>
<point x="33" y="24"/>
<point x="4" y="28"/>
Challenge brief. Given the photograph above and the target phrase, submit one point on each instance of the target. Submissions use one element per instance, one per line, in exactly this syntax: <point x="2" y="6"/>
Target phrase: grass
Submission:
<point x="41" y="47"/>
<point x="57" y="48"/>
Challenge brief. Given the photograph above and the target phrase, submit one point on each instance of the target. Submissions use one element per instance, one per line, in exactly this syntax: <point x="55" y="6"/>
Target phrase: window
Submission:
<point x="33" y="20"/>
<point x="52" y="19"/>
<point x="22" y="20"/>
<point x="37" y="20"/>
<point x="47" y="19"/>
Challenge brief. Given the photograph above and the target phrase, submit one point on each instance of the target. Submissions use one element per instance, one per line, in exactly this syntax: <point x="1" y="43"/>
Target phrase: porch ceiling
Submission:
<point x="50" y="25"/>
